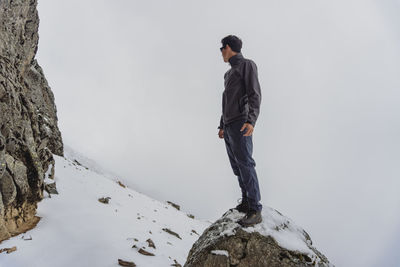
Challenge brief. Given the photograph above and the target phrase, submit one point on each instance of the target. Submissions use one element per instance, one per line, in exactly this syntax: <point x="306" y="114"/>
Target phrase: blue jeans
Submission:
<point x="240" y="150"/>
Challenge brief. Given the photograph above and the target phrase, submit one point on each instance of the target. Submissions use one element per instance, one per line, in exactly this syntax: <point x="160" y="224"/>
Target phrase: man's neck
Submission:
<point x="232" y="55"/>
<point x="233" y="60"/>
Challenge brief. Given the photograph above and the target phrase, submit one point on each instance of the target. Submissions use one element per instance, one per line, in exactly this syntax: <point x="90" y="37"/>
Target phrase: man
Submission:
<point x="241" y="101"/>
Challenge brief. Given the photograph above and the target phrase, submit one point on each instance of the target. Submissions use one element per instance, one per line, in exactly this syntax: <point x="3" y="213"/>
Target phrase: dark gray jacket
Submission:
<point x="241" y="98"/>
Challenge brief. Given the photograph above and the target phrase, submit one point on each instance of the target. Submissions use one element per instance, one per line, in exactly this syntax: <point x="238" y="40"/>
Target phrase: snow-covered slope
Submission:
<point x="76" y="229"/>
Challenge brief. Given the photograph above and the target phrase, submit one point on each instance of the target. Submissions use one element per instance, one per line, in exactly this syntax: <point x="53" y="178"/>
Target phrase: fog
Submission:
<point x="138" y="87"/>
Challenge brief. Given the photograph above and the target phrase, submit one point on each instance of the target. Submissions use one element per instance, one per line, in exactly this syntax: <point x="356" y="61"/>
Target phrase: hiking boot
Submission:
<point x="243" y="206"/>
<point x="252" y="217"/>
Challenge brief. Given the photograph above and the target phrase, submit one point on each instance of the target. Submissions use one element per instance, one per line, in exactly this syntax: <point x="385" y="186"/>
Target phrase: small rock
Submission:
<point x="151" y="243"/>
<point x="176" y="264"/>
<point x="104" y="200"/>
<point x="146" y="253"/>
<point x="176" y="206"/>
<point x="29" y="238"/>
<point x="77" y="162"/>
<point x="193" y="231"/>
<point x="8" y="250"/>
<point x="171" y="232"/>
<point x="51" y="188"/>
<point x="121" y="184"/>
<point x="126" y="263"/>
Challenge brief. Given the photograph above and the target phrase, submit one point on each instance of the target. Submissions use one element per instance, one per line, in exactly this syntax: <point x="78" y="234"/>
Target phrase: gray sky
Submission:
<point x="138" y="88"/>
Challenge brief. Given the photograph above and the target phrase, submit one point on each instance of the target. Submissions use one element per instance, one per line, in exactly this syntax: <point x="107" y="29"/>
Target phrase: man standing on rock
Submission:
<point x="241" y="101"/>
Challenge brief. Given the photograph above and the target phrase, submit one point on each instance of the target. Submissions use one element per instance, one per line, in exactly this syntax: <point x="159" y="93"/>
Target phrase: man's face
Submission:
<point x="226" y="53"/>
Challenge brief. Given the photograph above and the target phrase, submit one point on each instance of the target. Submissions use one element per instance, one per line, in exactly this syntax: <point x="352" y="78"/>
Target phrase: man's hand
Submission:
<point x="221" y="133"/>
<point x="249" y="128"/>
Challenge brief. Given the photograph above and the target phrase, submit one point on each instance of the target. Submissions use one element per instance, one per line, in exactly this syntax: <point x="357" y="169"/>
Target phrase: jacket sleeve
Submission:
<point x="253" y="91"/>
<point x="221" y="123"/>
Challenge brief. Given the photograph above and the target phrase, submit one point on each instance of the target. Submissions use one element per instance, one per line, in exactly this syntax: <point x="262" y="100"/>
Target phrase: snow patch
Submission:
<point x="220" y="252"/>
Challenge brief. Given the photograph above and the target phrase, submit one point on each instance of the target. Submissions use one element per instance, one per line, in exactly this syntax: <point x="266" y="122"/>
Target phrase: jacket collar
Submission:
<point x="235" y="60"/>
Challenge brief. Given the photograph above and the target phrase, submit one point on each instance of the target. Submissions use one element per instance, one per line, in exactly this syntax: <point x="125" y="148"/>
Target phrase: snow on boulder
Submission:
<point x="276" y="242"/>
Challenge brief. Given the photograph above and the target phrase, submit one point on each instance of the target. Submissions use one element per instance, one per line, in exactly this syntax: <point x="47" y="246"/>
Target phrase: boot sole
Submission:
<point x="247" y="225"/>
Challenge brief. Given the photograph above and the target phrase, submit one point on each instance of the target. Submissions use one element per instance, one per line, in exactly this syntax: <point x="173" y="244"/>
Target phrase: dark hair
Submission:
<point x="233" y="41"/>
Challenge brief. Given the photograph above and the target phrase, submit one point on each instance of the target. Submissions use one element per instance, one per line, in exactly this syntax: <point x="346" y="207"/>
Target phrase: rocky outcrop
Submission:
<point x="276" y="242"/>
<point x="28" y="122"/>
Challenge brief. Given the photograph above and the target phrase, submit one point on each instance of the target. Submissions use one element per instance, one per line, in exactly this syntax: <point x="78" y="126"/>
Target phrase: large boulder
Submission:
<point x="276" y="242"/>
<point x="29" y="134"/>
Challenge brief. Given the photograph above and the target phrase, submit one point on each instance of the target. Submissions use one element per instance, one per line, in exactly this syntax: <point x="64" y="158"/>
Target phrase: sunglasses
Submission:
<point x="222" y="48"/>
